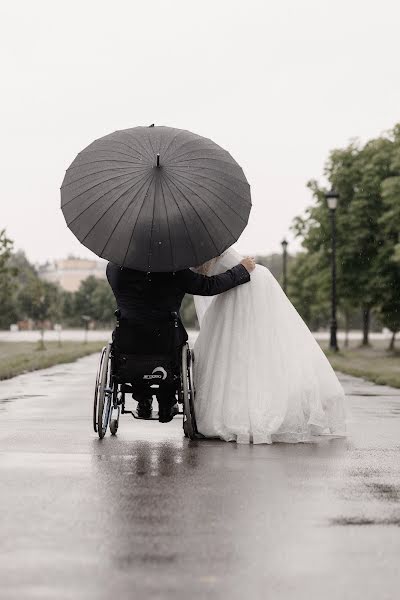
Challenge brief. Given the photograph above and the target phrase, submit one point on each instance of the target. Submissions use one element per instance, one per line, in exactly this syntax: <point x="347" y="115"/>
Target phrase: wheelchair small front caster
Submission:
<point x="114" y="426"/>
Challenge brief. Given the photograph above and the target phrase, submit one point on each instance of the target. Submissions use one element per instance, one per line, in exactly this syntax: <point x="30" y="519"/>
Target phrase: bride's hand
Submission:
<point x="249" y="263"/>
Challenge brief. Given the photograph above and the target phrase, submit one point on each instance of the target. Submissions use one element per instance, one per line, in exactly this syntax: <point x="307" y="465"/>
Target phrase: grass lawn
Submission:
<point x="374" y="363"/>
<point x="21" y="357"/>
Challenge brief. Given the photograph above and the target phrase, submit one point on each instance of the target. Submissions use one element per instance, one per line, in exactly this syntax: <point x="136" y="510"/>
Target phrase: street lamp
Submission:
<point x="284" y="244"/>
<point x="332" y="198"/>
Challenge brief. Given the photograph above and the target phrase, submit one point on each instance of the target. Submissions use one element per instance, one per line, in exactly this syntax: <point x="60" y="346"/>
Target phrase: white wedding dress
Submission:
<point x="259" y="374"/>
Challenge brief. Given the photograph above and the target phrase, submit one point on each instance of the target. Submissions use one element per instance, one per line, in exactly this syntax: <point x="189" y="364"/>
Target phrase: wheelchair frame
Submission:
<point x="109" y="394"/>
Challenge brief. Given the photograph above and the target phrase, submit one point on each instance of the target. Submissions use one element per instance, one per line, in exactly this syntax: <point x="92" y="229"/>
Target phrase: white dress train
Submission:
<point x="260" y="376"/>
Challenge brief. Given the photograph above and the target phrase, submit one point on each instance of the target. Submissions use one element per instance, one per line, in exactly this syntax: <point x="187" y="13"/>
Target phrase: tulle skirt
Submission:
<point x="260" y="376"/>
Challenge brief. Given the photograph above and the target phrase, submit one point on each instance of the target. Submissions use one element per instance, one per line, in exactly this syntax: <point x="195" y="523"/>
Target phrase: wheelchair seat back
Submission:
<point x="142" y="370"/>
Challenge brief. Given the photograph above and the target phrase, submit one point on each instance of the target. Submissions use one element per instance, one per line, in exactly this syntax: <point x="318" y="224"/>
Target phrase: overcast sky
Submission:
<point x="278" y="84"/>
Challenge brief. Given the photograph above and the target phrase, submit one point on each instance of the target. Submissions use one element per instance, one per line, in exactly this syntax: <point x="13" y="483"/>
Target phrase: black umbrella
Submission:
<point x="155" y="198"/>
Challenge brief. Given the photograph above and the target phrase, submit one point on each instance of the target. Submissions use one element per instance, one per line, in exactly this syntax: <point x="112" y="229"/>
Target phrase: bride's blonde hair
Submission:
<point x="206" y="267"/>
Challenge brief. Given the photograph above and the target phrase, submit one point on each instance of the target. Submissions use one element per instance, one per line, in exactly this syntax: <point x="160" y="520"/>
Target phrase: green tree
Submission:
<point x="104" y="302"/>
<point x="387" y="281"/>
<point x="365" y="234"/>
<point x="389" y="313"/>
<point x="23" y="269"/>
<point x="387" y="268"/>
<point x="274" y="263"/>
<point x="25" y="277"/>
<point x="69" y="316"/>
<point x="307" y="289"/>
<point x="8" y="312"/>
<point x="6" y="246"/>
<point x="314" y="230"/>
<point x="40" y="300"/>
<point x="95" y="299"/>
<point x="358" y="173"/>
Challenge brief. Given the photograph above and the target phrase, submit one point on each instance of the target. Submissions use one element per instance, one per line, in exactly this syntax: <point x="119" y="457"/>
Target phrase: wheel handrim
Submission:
<point x="105" y="394"/>
<point x="188" y="413"/>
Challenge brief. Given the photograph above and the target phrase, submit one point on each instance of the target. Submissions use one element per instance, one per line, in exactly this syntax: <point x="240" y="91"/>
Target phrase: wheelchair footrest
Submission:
<point x="154" y="415"/>
<point x="134" y="413"/>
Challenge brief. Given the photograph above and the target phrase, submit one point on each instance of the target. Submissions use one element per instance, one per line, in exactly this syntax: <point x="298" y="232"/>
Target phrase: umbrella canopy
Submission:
<point x="155" y="198"/>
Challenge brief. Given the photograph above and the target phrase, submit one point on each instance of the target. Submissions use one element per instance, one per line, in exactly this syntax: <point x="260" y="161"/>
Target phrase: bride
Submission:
<point x="260" y="376"/>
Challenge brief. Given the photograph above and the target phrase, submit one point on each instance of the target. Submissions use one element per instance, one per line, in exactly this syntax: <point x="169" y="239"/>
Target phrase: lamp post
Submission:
<point x="332" y="198"/>
<point x="284" y="244"/>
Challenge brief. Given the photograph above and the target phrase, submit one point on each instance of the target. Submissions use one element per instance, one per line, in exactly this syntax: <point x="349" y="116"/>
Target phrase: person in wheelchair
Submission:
<point x="147" y="304"/>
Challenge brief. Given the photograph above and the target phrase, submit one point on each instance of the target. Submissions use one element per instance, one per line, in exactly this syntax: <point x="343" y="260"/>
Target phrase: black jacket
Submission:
<point x="146" y="301"/>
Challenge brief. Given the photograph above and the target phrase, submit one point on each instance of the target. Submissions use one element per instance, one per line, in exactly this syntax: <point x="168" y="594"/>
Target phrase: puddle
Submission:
<point x="384" y="491"/>
<point x="359" y="521"/>
<point x="371" y="394"/>
<point x="21" y="396"/>
<point x="364" y="473"/>
<point x="126" y="562"/>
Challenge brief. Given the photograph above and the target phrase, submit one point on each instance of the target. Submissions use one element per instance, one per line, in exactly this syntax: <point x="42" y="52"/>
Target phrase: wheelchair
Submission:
<point x="120" y="374"/>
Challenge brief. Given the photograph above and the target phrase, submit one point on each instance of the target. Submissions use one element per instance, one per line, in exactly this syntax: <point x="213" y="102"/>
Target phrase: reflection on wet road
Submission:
<point x="149" y="514"/>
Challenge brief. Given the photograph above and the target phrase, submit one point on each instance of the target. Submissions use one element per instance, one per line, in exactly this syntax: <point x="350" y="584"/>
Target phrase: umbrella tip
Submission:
<point x="158" y="160"/>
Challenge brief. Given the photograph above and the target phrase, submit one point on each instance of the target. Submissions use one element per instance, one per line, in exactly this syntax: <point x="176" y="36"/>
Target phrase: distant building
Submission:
<point x="70" y="272"/>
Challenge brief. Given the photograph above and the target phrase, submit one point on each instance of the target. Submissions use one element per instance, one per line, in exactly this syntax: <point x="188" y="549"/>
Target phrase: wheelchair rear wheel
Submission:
<point x="189" y="419"/>
<point x="103" y="393"/>
<point x="97" y="388"/>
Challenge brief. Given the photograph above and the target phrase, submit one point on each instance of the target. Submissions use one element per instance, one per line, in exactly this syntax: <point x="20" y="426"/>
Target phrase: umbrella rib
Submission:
<point x="202" y="141"/>
<point x="180" y="131"/>
<point x="166" y="217"/>
<point x="184" y="222"/>
<point x="140" y="210"/>
<point x="215" y="194"/>
<point x="208" y="206"/>
<point x="139" y="141"/>
<point x="193" y="208"/>
<point x="151" y="145"/>
<point x="151" y="230"/>
<point x="205" y="154"/>
<point x="217" y="181"/>
<point x="154" y="205"/>
<point x="117" y="141"/>
<point x="198" y="139"/>
<point x="109" y="160"/>
<point x="140" y="146"/>
<point x="107" y="209"/>
<point x="213" y="158"/>
<point x="109" y="150"/>
<point x="123" y="214"/>
<point x="93" y="186"/>
<point x="161" y="140"/>
<point x="204" y="149"/>
<point x="99" y="198"/>
<point x="184" y="170"/>
<point x="129" y="172"/>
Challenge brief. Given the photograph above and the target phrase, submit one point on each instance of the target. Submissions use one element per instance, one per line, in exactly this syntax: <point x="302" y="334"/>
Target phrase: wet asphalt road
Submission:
<point x="151" y="515"/>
